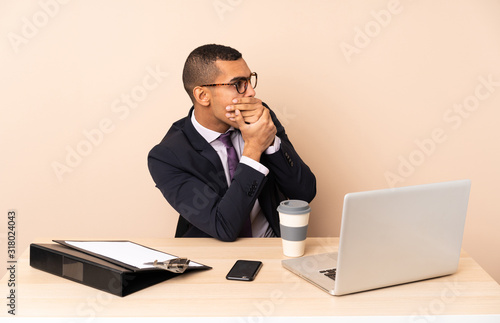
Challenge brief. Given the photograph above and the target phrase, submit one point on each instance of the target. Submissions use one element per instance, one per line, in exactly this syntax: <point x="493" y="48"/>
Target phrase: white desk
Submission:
<point x="275" y="293"/>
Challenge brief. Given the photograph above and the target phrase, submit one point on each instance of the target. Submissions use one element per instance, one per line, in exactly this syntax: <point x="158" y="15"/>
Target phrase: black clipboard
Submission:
<point x="97" y="271"/>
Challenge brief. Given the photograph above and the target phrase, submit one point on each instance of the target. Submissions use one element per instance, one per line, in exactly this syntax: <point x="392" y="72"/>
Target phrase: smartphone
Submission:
<point x="245" y="270"/>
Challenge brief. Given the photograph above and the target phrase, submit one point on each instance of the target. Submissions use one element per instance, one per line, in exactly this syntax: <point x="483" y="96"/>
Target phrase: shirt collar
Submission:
<point x="206" y="133"/>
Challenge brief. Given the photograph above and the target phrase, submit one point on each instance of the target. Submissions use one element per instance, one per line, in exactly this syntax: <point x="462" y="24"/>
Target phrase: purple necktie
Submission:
<point x="232" y="157"/>
<point x="232" y="163"/>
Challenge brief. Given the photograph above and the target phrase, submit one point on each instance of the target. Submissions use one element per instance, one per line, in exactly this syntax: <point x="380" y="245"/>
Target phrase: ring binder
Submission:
<point x="103" y="272"/>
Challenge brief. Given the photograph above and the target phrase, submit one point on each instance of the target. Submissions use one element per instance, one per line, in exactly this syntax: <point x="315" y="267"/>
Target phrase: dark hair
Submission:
<point x="200" y="65"/>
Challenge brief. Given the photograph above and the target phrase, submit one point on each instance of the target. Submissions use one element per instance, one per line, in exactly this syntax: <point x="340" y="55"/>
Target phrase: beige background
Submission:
<point x="373" y="94"/>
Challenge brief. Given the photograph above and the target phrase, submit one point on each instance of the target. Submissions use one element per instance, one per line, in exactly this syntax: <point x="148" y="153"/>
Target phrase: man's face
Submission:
<point x="222" y="96"/>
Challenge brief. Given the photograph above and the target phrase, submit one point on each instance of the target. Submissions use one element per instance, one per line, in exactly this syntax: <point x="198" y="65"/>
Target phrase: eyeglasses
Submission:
<point x="241" y="84"/>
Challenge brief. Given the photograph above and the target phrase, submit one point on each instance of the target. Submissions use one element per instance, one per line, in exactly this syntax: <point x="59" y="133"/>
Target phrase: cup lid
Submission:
<point x="294" y="207"/>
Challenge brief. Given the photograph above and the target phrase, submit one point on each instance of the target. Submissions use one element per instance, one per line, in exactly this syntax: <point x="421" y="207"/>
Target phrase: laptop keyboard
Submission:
<point x="330" y="273"/>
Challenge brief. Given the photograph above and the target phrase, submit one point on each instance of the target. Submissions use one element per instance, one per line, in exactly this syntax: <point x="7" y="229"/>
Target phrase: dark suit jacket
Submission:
<point x="189" y="173"/>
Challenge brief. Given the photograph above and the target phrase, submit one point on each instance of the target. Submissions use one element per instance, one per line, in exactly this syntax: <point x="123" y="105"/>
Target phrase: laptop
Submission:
<point x="390" y="237"/>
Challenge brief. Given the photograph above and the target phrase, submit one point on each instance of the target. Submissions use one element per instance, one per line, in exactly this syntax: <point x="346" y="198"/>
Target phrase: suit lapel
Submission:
<point x="204" y="148"/>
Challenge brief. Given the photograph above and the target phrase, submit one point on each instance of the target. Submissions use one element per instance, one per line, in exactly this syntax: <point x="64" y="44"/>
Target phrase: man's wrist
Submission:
<point x="251" y="153"/>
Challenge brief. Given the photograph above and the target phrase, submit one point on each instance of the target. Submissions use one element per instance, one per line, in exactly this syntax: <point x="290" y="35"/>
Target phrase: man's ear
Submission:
<point x="202" y="96"/>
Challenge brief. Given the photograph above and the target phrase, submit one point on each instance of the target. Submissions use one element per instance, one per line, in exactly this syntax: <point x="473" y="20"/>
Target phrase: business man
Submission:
<point x="227" y="165"/>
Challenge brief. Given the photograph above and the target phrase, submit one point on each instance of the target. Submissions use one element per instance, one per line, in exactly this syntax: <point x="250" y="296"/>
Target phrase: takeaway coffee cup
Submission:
<point x="294" y="218"/>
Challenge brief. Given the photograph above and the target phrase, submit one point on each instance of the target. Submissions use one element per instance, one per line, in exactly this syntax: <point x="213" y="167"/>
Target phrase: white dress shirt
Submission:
<point x="260" y="226"/>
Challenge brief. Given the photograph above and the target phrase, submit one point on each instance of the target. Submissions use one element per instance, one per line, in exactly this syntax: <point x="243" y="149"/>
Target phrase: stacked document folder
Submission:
<point x="117" y="267"/>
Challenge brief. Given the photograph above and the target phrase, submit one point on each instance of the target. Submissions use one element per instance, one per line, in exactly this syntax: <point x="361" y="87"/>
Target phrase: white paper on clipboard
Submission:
<point x="127" y="252"/>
